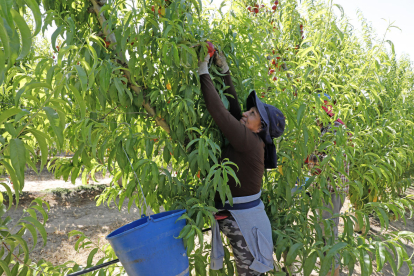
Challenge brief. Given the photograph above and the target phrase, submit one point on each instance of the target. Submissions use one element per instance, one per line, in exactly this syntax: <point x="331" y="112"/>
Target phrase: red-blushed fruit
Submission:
<point x="273" y="51"/>
<point x="132" y="43"/>
<point x="168" y="102"/>
<point x="277" y="58"/>
<point x="256" y="5"/>
<point x="249" y="9"/>
<point x="274" y="79"/>
<point x="152" y="8"/>
<point x="262" y="6"/>
<point x="274" y="7"/>
<point x="301" y="26"/>
<point x="53" y="57"/>
<point x="276" y="2"/>
<point x="271" y="71"/>
<point x="274" y="62"/>
<point x="211" y="49"/>
<point x="303" y="37"/>
<point x="256" y="10"/>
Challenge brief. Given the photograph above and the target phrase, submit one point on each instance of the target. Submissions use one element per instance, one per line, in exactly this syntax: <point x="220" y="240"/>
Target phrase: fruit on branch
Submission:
<point x="256" y="8"/>
<point x="211" y="49"/>
<point x="274" y="7"/>
<point x="249" y="9"/>
<point x="168" y="86"/>
<point x="161" y="11"/>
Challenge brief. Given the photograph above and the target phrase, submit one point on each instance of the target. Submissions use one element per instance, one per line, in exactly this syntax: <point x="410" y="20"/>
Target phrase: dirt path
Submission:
<point x="74" y="211"/>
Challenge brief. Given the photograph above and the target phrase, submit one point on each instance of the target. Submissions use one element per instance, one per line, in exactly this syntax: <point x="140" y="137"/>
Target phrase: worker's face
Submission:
<point x="251" y="119"/>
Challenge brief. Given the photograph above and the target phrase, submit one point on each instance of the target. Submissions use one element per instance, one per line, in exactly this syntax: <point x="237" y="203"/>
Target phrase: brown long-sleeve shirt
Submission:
<point x="246" y="148"/>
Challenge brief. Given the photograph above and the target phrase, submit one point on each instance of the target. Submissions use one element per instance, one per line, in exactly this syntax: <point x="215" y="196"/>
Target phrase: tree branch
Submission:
<point x="110" y="36"/>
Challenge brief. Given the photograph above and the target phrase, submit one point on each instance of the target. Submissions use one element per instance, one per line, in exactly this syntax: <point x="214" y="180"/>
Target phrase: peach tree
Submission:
<point x="122" y="93"/>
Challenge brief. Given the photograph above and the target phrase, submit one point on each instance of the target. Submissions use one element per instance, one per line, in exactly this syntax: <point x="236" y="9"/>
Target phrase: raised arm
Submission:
<point x="234" y="109"/>
<point x="239" y="136"/>
<point x="221" y="62"/>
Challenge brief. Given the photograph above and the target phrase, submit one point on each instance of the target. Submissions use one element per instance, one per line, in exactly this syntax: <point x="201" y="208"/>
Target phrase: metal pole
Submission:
<point x="94" y="268"/>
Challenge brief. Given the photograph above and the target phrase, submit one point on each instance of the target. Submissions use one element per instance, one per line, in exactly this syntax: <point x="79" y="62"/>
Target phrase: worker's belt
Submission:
<point x="238" y="206"/>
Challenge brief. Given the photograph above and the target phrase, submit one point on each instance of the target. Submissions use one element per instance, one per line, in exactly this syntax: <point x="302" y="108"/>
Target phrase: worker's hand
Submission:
<point x="220" y="61"/>
<point x="203" y="65"/>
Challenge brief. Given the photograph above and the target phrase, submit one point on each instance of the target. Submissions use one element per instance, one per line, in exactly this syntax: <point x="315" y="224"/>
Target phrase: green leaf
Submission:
<point x="8" y="113"/>
<point x="309" y="263"/>
<point x="334" y="249"/>
<point x="9" y="194"/>
<point x="36" y="13"/>
<point x="53" y="117"/>
<point x="40" y="228"/>
<point x="18" y="160"/>
<point x="55" y="35"/>
<point x="90" y="257"/>
<point x="24" y="32"/>
<point x="300" y="113"/>
<point x="79" y="100"/>
<point x="41" y="140"/>
<point x="380" y="255"/>
<point x="6" y="7"/>
<point x="2" y="66"/>
<point x="13" y="177"/>
<point x="4" y="265"/>
<point x="23" y="244"/>
<point x="391" y="261"/>
<point x="32" y="231"/>
<point x="121" y="92"/>
<point x="4" y="40"/>
<point x="82" y="77"/>
<point x="31" y="86"/>
<point x="293" y="252"/>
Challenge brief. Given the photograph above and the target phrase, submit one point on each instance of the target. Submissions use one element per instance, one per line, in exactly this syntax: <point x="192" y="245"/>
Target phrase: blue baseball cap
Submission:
<point x="273" y="122"/>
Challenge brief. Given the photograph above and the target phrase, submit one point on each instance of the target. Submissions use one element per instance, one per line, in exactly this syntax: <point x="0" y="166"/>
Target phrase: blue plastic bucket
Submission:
<point x="148" y="246"/>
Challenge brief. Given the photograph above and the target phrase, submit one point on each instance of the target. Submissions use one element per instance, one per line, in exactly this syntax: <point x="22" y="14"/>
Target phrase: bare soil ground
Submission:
<point x="75" y="209"/>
